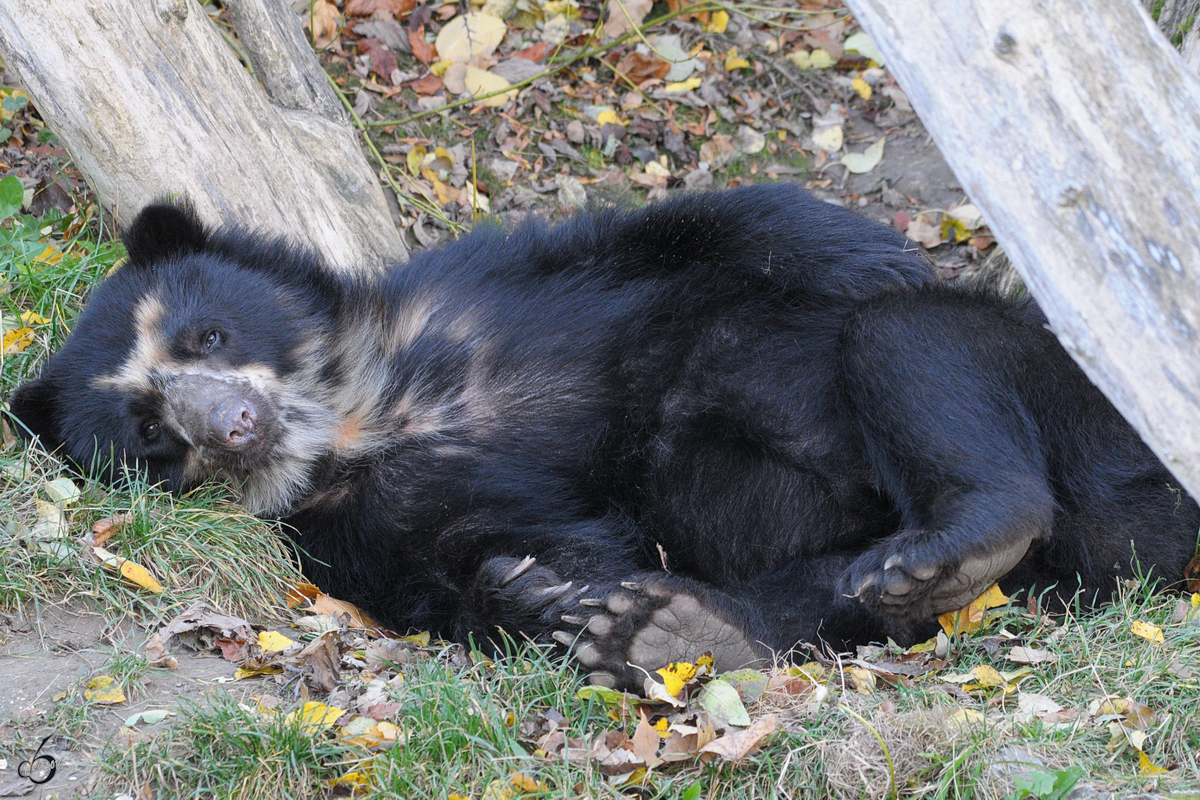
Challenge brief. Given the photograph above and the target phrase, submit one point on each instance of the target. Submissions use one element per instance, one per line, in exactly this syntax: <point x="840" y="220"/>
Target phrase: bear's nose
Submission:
<point x="233" y="421"/>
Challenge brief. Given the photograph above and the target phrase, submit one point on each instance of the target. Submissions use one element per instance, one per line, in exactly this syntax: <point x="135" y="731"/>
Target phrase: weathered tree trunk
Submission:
<point x="1075" y="128"/>
<point x="150" y="101"/>
<point x="1175" y="16"/>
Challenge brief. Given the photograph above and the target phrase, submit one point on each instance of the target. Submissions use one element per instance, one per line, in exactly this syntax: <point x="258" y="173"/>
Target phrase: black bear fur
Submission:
<point x="731" y="421"/>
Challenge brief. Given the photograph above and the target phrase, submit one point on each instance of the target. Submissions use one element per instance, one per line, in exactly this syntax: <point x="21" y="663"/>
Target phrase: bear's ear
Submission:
<point x="33" y="407"/>
<point x="163" y="230"/>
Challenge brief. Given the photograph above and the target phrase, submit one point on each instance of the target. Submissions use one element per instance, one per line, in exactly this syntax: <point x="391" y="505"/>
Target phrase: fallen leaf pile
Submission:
<point x="558" y="96"/>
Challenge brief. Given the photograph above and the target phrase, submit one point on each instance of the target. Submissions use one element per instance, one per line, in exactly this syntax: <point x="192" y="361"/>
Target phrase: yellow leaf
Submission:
<point x="970" y="619"/>
<point x="48" y="256"/>
<point x="677" y="675"/>
<point x="241" y="674"/>
<point x="314" y="717"/>
<point x="717" y="22"/>
<point x="820" y="59"/>
<point x="952" y="228"/>
<point x="354" y="781"/>
<point x="1121" y="735"/>
<point x="864" y="679"/>
<point x="858" y="163"/>
<point x="470" y="38"/>
<point x="965" y="717"/>
<point x="31" y="318"/>
<point x="128" y="570"/>
<point x="862" y="87"/>
<point x="817" y="59"/>
<point x="609" y="116"/>
<point x="734" y="61"/>
<point x="1148" y="767"/>
<point x="660" y="728"/>
<point x="136" y="573"/>
<point x="457" y="796"/>
<point x="439" y="67"/>
<point x="1016" y="675"/>
<point x="415" y="159"/>
<point x="683" y="86"/>
<point x="273" y="641"/>
<point x="515" y="785"/>
<point x="924" y="647"/>
<point x="828" y="138"/>
<point x="16" y="340"/>
<point x="104" y="689"/>
<point x="480" y="82"/>
<point x="706" y="662"/>
<point x="861" y="43"/>
<point x="419" y="639"/>
<point x="1151" y="633"/>
<point x="365" y="732"/>
<point x="5" y="114"/>
<point x="988" y="676"/>
<point x="445" y="193"/>
<point x="985" y="677"/>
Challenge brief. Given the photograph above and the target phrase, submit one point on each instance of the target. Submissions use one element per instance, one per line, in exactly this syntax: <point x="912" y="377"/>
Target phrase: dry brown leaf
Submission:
<point x="639" y="67"/>
<point x="1191" y="574"/>
<point x="156" y="654"/>
<point x="535" y="52"/>
<point x="326" y="21"/>
<point x="423" y="51"/>
<point x="340" y="609"/>
<point x="624" y="16"/>
<point x="739" y="744"/>
<point x="1031" y="655"/>
<point x="645" y="742"/>
<point x="383" y="61"/>
<point x="925" y="232"/>
<point x="109" y="527"/>
<point x="202" y="628"/>
<point x="427" y="85"/>
<point x="367" y="8"/>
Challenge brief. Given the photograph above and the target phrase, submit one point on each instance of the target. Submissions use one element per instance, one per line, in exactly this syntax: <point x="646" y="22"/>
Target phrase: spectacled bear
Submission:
<point x="731" y="421"/>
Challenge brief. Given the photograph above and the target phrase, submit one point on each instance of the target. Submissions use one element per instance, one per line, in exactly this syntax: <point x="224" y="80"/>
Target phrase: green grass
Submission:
<point x="462" y="730"/>
<point x="197" y="546"/>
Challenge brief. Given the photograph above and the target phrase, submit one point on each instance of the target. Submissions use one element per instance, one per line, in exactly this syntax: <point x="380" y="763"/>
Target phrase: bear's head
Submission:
<point x="184" y="361"/>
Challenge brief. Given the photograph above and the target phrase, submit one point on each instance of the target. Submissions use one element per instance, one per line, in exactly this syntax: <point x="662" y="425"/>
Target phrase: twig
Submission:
<point x="425" y="204"/>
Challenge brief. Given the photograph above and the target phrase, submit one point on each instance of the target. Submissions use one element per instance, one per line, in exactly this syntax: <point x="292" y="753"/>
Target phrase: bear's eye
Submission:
<point x="212" y="341"/>
<point x="150" y="430"/>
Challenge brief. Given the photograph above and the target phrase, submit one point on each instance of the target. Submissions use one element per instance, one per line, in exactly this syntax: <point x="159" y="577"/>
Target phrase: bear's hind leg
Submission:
<point x="931" y="380"/>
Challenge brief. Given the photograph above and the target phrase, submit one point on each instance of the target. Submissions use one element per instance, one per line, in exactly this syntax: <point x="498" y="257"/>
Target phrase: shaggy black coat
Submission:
<point x="733" y="421"/>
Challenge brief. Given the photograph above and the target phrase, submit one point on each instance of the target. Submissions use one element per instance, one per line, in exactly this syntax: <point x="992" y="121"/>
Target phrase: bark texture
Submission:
<point x="1075" y="128"/>
<point x="151" y="101"/>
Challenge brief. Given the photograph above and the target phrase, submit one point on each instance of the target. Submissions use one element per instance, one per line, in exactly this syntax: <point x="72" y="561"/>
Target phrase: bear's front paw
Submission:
<point x="518" y="596"/>
<point x="915" y="576"/>
<point x="646" y="625"/>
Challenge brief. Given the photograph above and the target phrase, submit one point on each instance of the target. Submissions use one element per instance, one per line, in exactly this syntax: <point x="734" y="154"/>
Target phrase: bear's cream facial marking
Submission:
<point x="245" y="424"/>
<point x="150" y="351"/>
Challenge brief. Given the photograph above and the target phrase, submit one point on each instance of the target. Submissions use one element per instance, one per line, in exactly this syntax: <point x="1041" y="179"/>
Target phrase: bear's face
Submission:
<point x="180" y="365"/>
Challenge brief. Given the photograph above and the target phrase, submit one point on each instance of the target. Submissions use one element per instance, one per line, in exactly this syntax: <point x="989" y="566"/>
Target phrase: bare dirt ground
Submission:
<point x="47" y="658"/>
